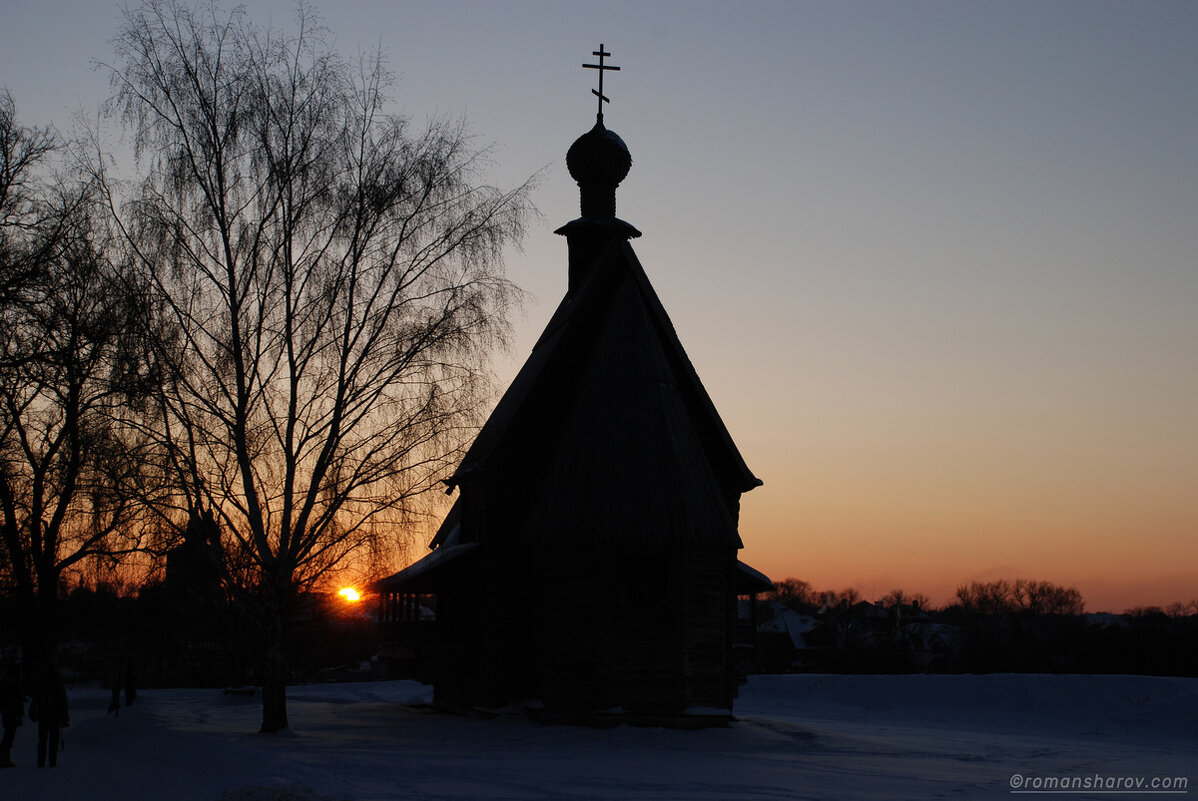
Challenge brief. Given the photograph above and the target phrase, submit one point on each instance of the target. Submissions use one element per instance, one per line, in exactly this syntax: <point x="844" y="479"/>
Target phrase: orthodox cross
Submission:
<point x="602" y="68"/>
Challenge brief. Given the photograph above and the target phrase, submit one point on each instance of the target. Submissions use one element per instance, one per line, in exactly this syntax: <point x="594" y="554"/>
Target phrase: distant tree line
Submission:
<point x="1019" y="597"/>
<point x="1018" y="625"/>
<point x="161" y="637"/>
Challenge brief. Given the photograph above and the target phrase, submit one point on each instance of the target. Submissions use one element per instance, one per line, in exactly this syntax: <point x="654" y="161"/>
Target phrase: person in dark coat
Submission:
<point x="49" y="709"/>
<point x="12" y="707"/>
<point x="116" y="678"/>
<point x="130" y="683"/>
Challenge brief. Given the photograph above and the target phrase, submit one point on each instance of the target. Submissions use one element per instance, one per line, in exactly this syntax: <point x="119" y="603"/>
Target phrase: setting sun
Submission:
<point x="350" y="594"/>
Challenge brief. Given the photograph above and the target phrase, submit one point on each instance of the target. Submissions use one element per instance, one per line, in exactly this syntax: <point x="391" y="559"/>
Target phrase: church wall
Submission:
<point x="649" y="632"/>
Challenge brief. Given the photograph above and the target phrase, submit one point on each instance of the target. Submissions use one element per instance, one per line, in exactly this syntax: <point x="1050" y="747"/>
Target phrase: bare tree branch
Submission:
<point x="329" y="281"/>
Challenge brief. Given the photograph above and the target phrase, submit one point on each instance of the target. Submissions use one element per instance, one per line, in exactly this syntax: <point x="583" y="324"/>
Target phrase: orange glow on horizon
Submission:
<point x="933" y="544"/>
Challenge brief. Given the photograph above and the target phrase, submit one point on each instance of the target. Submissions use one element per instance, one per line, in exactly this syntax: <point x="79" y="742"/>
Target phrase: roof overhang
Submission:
<point x="421" y="576"/>
<point x="750" y="580"/>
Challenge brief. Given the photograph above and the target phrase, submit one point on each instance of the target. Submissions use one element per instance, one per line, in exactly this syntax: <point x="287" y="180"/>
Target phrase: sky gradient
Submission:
<point x="935" y="262"/>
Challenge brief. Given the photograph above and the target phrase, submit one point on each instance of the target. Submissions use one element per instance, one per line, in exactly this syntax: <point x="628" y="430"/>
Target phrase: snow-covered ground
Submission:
<point x="797" y="737"/>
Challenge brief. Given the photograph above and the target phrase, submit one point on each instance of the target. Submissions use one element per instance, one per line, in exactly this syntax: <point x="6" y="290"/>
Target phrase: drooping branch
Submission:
<point x="326" y="279"/>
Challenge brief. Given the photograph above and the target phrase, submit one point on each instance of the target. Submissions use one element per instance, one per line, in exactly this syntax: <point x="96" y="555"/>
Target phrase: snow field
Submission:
<point x="796" y="737"/>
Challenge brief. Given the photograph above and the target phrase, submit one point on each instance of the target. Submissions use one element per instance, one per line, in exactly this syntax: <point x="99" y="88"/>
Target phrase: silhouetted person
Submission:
<point x="116" y="679"/>
<point x="12" y="705"/>
<point x="130" y="684"/>
<point x="49" y="709"/>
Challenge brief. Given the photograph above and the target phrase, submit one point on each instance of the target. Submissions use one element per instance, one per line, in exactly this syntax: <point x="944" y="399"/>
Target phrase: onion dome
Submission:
<point x="598" y="160"/>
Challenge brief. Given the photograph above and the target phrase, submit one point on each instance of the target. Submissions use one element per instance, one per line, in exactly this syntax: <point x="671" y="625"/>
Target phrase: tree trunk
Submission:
<point x="40" y="641"/>
<point x="274" y="674"/>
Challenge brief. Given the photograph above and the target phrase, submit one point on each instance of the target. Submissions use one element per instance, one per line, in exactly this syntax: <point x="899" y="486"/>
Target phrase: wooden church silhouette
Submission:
<point x="589" y="565"/>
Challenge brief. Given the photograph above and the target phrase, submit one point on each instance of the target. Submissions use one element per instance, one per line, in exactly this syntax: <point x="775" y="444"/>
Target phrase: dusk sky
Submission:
<point x="936" y="262"/>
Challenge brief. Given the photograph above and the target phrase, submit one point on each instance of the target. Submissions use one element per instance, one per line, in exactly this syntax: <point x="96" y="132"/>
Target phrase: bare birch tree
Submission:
<point x="69" y="464"/>
<point x="330" y="282"/>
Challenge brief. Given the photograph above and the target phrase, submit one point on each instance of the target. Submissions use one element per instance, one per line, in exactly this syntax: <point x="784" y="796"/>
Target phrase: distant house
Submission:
<point x="188" y="624"/>
<point x="934" y="646"/>
<point x="589" y="563"/>
<point x="788" y="640"/>
<point x="193" y="566"/>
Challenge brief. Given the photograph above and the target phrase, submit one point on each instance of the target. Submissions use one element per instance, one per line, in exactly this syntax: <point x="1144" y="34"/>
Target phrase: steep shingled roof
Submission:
<point x="610" y="428"/>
